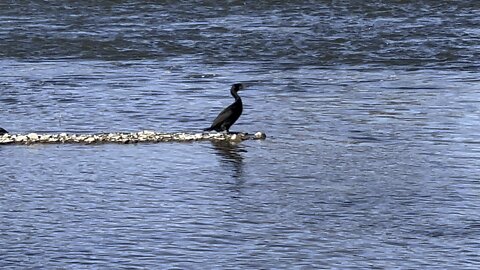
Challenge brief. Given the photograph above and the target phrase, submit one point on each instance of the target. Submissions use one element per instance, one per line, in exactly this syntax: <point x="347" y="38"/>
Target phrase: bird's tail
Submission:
<point x="208" y="129"/>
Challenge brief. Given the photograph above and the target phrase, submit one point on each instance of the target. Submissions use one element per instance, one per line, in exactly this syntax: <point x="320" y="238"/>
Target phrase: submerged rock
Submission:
<point x="125" y="138"/>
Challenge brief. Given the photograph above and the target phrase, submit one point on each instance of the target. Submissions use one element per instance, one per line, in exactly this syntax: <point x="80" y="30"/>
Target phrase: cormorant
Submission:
<point x="3" y="131"/>
<point x="229" y="115"/>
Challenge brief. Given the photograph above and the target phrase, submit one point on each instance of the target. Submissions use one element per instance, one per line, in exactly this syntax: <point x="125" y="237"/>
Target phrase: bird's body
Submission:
<point x="228" y="116"/>
<point x="3" y="131"/>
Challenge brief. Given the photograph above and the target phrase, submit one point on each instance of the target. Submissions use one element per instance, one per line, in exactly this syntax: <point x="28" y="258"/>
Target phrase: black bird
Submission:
<point x="229" y="115"/>
<point x="3" y="131"/>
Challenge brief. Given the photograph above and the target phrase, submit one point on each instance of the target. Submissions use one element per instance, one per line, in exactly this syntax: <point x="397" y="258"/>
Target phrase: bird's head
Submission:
<point x="237" y="87"/>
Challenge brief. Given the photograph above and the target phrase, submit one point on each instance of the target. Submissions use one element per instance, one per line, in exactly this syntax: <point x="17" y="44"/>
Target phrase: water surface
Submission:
<point x="371" y="112"/>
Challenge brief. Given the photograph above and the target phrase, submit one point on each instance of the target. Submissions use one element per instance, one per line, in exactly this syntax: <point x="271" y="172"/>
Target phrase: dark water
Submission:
<point x="372" y="113"/>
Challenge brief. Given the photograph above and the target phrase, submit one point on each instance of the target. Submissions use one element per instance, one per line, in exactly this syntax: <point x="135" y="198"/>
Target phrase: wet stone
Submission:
<point x="126" y="138"/>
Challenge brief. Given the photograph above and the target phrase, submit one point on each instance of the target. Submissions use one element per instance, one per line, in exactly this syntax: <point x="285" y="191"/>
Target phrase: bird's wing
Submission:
<point x="222" y="116"/>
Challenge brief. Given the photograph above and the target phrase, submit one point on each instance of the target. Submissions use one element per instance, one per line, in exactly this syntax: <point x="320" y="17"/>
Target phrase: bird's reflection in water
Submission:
<point x="230" y="156"/>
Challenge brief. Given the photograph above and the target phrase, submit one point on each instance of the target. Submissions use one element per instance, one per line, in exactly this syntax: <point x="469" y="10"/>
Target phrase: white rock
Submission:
<point x="147" y="132"/>
<point x="44" y="137"/>
<point x="6" y="139"/>
<point x="21" y="138"/>
<point x="260" y="135"/>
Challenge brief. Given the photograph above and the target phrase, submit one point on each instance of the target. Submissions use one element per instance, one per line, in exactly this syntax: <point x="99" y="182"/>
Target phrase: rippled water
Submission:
<point x="372" y="113"/>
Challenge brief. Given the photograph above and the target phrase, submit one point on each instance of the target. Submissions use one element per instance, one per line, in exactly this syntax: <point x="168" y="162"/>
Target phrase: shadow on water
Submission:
<point x="230" y="156"/>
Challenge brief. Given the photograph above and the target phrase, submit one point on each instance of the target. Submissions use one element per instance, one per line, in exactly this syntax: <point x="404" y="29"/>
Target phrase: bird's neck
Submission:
<point x="236" y="96"/>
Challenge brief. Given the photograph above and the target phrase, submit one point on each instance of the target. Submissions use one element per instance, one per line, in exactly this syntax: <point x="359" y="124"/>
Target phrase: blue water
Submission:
<point x="371" y="113"/>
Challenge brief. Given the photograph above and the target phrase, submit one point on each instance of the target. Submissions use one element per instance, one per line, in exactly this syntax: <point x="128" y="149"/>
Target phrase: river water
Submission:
<point x="372" y="113"/>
